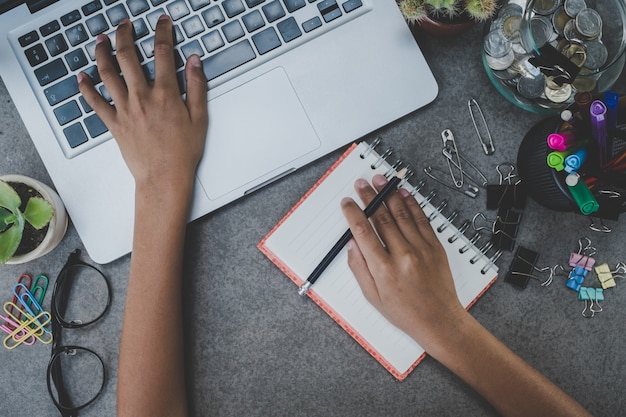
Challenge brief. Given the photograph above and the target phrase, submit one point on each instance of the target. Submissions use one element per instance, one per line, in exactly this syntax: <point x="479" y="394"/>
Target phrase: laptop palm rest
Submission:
<point x="234" y="155"/>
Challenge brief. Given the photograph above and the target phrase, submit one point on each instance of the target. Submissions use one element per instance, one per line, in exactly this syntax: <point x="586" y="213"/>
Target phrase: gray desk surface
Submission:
<point x="249" y="353"/>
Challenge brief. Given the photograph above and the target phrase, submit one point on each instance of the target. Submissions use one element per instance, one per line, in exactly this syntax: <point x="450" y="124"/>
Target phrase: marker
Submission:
<point x="575" y="160"/>
<point x="562" y="140"/>
<point x="597" y="112"/>
<point x="392" y="185"/>
<point x="611" y="100"/>
<point x="586" y="202"/>
<point x="556" y="159"/>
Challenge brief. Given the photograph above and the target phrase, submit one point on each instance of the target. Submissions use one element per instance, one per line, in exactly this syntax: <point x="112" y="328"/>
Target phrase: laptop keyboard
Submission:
<point x="230" y="36"/>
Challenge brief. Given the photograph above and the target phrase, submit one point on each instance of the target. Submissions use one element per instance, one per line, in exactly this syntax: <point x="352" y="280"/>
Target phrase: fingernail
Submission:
<point x="164" y="17"/>
<point x="124" y="21"/>
<point x="194" y="61"/>
<point x="350" y="245"/>
<point x="379" y="180"/>
<point x="80" y="77"/>
<point x="361" y="183"/>
<point x="101" y="38"/>
<point x="404" y="193"/>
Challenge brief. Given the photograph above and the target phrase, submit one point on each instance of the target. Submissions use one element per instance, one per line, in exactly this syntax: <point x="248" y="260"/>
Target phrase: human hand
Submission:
<point x="161" y="137"/>
<point x="406" y="276"/>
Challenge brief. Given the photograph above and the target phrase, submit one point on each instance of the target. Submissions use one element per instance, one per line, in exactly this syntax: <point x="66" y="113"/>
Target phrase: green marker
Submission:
<point x="587" y="203"/>
<point x="556" y="159"/>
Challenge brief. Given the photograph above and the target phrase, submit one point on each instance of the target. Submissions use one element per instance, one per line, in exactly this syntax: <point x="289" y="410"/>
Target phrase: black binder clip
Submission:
<point x="510" y="193"/>
<point x="522" y="267"/>
<point x="503" y="229"/>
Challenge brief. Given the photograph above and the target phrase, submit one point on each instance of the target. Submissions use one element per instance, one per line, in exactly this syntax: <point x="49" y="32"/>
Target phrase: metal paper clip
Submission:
<point x="486" y="141"/>
<point x="454" y="158"/>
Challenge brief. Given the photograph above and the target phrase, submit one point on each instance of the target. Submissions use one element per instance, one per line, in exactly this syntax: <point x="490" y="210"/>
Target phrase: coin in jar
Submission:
<point x="558" y="95"/>
<point x="573" y="7"/>
<point x="559" y="19"/>
<point x="531" y="86"/>
<point x="575" y="52"/>
<point x="546" y="7"/>
<point x="597" y="54"/>
<point x="589" y="23"/>
<point x="496" y="45"/>
<point x="500" y="63"/>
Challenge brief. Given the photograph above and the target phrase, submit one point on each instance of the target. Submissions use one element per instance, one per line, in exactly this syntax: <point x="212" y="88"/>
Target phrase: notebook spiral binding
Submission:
<point x="474" y="239"/>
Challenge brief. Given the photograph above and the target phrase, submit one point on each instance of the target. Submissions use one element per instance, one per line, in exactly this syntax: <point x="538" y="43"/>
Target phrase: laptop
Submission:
<point x="289" y="82"/>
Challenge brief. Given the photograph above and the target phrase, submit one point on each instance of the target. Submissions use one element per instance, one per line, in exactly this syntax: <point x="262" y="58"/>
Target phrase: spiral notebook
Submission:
<point x="308" y="231"/>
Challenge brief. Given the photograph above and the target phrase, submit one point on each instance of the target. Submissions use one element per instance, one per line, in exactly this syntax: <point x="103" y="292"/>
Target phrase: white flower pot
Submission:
<point x="57" y="226"/>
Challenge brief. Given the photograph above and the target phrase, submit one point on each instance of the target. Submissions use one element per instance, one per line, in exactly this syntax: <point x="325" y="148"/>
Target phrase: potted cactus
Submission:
<point x="32" y="219"/>
<point x="447" y="17"/>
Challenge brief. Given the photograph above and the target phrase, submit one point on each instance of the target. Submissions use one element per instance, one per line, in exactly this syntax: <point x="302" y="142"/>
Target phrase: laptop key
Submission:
<point x="140" y="28"/>
<point x="157" y="2"/>
<point x="93" y="73"/>
<point x="312" y="24"/>
<point x="76" y="34"/>
<point x="273" y="11"/>
<point x="213" y="16"/>
<point x="329" y="9"/>
<point x="49" y="28"/>
<point x="72" y="17"/>
<point x="91" y="7"/>
<point x="192" y="26"/>
<point x="50" y="72"/>
<point x="266" y="40"/>
<point x="67" y="112"/>
<point x="76" y="59"/>
<point x="56" y="45"/>
<point x="289" y="29"/>
<point x="293" y="5"/>
<point x="27" y="39"/>
<point x="97" y="24"/>
<point x="233" y="31"/>
<point x="36" y="55"/>
<point x="253" y="21"/>
<point x="191" y="48"/>
<point x="178" y="9"/>
<point x="351" y="5"/>
<point x="75" y="135"/>
<point x="61" y="90"/>
<point x="116" y="14"/>
<point x="109" y="2"/>
<point x="213" y="41"/>
<point x="137" y="7"/>
<point x="228" y="59"/>
<point x="198" y="4"/>
<point x="95" y="126"/>
<point x="253" y="3"/>
<point x="153" y="17"/>
<point x="233" y="7"/>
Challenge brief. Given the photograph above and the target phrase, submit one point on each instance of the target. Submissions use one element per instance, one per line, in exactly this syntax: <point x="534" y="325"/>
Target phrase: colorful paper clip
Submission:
<point x="591" y="297"/>
<point x="31" y="326"/>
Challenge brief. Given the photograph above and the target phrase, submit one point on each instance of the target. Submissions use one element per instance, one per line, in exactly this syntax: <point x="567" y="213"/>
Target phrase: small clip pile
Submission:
<point x="581" y="263"/>
<point x="591" y="297"/>
<point x="607" y="277"/>
<point x="523" y="268"/>
<point x="25" y="320"/>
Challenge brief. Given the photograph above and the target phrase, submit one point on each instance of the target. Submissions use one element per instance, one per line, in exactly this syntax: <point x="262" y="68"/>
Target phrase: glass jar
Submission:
<point x="540" y="53"/>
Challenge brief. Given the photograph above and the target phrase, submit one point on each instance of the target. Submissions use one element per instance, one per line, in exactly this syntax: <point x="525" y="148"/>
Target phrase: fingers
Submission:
<point x="107" y="68"/>
<point x="196" y="90"/>
<point x="362" y="231"/>
<point x="164" y="67"/>
<point x="362" y="273"/>
<point x="102" y="107"/>
<point x="127" y="56"/>
<point x="426" y="232"/>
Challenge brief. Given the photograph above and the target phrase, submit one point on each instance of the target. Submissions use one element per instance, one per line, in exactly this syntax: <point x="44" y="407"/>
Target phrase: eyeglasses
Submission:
<point x="76" y="375"/>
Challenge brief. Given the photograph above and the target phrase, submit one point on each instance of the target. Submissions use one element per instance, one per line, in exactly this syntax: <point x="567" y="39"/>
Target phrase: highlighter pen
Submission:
<point x="562" y="140"/>
<point x="586" y="202"/>
<point x="345" y="238"/>
<point x="597" y="111"/>
<point x="556" y="159"/>
<point x="575" y="160"/>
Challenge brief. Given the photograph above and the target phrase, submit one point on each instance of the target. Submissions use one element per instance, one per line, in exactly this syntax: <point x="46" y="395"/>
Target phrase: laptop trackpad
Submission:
<point x="254" y="130"/>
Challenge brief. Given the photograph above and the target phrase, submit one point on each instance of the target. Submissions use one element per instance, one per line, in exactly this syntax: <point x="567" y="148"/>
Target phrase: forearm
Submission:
<point x="151" y="356"/>
<point x="512" y="386"/>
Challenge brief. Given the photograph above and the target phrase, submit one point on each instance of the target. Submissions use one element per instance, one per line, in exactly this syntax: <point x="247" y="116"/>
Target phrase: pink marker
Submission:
<point x="561" y="141"/>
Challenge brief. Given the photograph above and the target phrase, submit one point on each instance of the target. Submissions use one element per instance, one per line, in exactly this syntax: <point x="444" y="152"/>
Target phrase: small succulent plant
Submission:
<point x="478" y="10"/>
<point x="38" y="212"/>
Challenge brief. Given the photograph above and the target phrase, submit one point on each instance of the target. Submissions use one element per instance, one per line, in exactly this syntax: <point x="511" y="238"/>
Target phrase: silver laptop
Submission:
<point x="289" y="81"/>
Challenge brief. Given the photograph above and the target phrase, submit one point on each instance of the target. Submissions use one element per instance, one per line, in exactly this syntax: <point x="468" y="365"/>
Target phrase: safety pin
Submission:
<point x="474" y="109"/>
<point x="454" y="157"/>
<point x="470" y="190"/>
<point x="449" y="151"/>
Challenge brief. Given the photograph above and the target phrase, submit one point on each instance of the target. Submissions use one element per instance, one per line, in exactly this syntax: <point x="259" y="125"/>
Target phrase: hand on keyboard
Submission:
<point x="161" y="137"/>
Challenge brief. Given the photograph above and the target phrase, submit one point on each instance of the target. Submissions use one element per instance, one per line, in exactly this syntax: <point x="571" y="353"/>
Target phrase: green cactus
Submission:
<point x="478" y="10"/>
<point x="38" y="213"/>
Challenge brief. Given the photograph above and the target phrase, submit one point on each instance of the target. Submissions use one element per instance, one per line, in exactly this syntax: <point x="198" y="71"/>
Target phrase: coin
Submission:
<point x="540" y="31"/>
<point x="530" y="86"/>
<point x="496" y="45"/>
<point x="589" y="23"/>
<point x="500" y="63"/>
<point x="509" y="27"/>
<point x="559" y="19"/>
<point x="558" y="95"/>
<point x="585" y="81"/>
<point x="570" y="32"/>
<point x="572" y="7"/>
<point x="575" y="52"/>
<point x="546" y="7"/>
<point x="597" y="55"/>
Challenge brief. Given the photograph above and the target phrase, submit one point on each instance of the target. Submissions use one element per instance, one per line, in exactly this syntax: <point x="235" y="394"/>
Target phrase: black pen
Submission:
<point x="345" y="238"/>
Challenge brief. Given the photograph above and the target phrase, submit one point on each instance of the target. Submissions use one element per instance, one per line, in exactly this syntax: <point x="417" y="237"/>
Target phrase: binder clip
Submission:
<point x="591" y="297"/>
<point x="581" y="263"/>
<point x="610" y="206"/>
<point x="522" y="267"/>
<point x="503" y="229"/>
<point x="509" y="193"/>
<point x="607" y="277"/>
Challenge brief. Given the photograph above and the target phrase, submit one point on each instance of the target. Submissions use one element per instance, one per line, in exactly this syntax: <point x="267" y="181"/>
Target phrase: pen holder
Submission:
<point x="539" y="53"/>
<point x="547" y="185"/>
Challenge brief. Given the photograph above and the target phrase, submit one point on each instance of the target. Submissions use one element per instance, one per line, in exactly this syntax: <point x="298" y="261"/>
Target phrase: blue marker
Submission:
<point x="575" y="160"/>
<point x="611" y="100"/>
